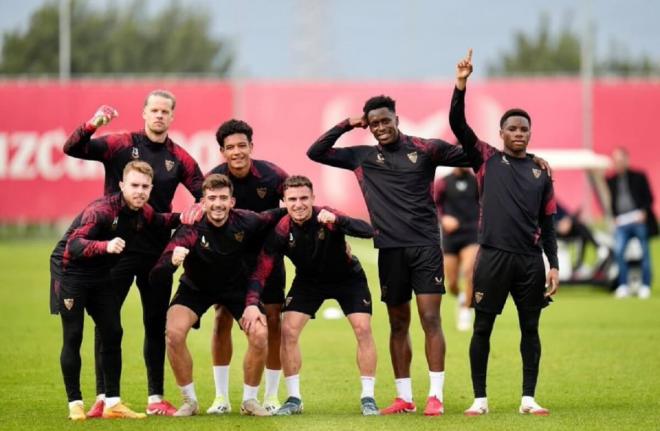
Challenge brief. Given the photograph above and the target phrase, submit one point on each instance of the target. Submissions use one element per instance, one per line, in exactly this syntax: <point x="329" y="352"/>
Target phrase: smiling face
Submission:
<point x="515" y="134"/>
<point x="217" y="203"/>
<point x="135" y="189"/>
<point x="299" y="202"/>
<point x="237" y="150"/>
<point x="383" y="124"/>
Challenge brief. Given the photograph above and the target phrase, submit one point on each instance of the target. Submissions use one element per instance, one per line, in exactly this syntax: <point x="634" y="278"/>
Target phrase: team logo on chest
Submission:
<point x="321" y="234"/>
<point x="505" y="160"/>
<point x="68" y="303"/>
<point x="261" y="192"/>
<point x="292" y="240"/>
<point x="461" y="186"/>
<point x="536" y="172"/>
<point x="239" y="236"/>
<point x="115" y="222"/>
<point x="135" y="153"/>
<point x="203" y="242"/>
<point x="412" y="156"/>
<point x="380" y="158"/>
<point x="169" y="165"/>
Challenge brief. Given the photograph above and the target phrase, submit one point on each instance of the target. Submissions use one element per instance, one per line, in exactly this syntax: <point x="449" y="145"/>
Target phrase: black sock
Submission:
<point x="479" y="350"/>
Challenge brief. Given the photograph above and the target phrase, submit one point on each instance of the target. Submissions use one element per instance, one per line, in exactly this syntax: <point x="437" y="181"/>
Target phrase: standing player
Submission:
<point x="213" y="253"/>
<point x="257" y="187"/>
<point x="517" y="206"/>
<point x="457" y="201"/>
<point x="314" y="239"/>
<point x="396" y="177"/>
<point x="80" y="280"/>
<point x="172" y="166"/>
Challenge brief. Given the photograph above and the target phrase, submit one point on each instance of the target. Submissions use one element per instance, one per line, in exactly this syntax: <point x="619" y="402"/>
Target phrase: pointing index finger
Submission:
<point x="469" y="56"/>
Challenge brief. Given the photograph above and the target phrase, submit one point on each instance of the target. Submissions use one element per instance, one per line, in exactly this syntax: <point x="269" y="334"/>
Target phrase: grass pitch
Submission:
<point x="599" y="368"/>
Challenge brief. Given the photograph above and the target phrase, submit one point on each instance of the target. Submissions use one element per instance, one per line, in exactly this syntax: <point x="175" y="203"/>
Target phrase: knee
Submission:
<point x="258" y="337"/>
<point x="73" y="336"/>
<point x="399" y="326"/>
<point x="289" y="334"/>
<point x="529" y="328"/>
<point x="430" y="322"/>
<point x="362" y="332"/>
<point x="175" y="338"/>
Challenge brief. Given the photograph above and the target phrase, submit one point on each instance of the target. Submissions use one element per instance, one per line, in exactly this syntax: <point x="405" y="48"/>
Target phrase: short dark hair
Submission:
<point x="515" y="112"/>
<point x="378" y="102"/>
<point x="217" y="181"/>
<point x="231" y="127"/>
<point x="297" y="181"/>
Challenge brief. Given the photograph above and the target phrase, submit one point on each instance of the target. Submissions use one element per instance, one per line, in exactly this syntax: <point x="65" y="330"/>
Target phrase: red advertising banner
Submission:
<point x="39" y="183"/>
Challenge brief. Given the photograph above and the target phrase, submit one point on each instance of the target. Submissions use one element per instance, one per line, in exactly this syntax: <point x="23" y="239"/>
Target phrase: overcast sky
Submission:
<point x="380" y="39"/>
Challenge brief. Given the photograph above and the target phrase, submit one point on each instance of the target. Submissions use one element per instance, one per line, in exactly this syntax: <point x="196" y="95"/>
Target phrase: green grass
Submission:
<point x="599" y="368"/>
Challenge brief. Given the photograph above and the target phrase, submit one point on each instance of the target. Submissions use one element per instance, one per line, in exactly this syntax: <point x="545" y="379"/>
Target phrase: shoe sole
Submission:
<point x="159" y="413"/>
<point x="398" y="412"/>
<point x="533" y="413"/>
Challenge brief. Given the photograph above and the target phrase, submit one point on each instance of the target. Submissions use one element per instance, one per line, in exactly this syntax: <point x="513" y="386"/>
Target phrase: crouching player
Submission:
<point x="214" y="253"/>
<point x="314" y="239"/>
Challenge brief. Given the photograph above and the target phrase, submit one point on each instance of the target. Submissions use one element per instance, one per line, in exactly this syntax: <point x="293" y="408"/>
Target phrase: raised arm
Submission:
<point x="322" y="150"/>
<point x="81" y="145"/>
<point x="457" y="121"/>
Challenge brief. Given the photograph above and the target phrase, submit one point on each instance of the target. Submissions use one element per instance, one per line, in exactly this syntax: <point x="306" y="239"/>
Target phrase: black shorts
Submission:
<point x="273" y="292"/>
<point x="199" y="301"/>
<point x="352" y="295"/>
<point x="94" y="295"/>
<point x="498" y="272"/>
<point x="455" y="242"/>
<point x="407" y="269"/>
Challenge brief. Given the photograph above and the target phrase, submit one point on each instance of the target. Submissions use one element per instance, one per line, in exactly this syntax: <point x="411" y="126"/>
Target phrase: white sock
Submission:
<point x="188" y="392"/>
<point x="437" y="384"/>
<point x="526" y="401"/>
<point x="272" y="383"/>
<point x="293" y="386"/>
<point x="480" y="402"/>
<point x="111" y="402"/>
<point x="100" y="397"/>
<point x="74" y="402"/>
<point x="221" y="378"/>
<point x="250" y="392"/>
<point x="368" y="383"/>
<point x="154" y="399"/>
<point x="404" y="389"/>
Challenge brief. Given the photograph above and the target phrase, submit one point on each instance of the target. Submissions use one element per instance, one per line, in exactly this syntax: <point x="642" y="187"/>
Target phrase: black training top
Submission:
<point x="172" y="166"/>
<point x="396" y="182"/>
<point x="216" y="261"/>
<point x="317" y="250"/>
<point x="82" y="251"/>
<point x="516" y="197"/>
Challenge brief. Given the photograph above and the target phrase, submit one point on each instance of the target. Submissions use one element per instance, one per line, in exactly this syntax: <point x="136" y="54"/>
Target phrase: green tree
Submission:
<point x="545" y="53"/>
<point x="175" y="40"/>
